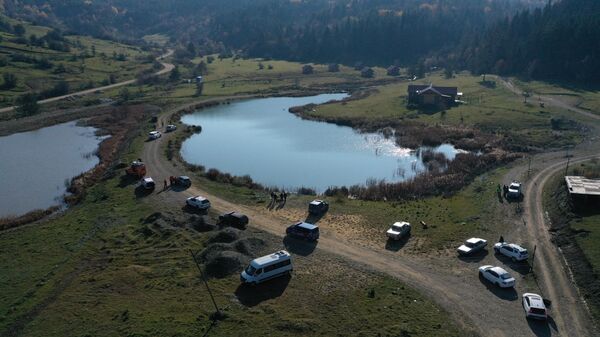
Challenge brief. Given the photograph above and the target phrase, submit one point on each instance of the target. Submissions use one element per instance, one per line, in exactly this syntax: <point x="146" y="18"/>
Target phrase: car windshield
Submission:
<point x="397" y="228"/>
<point x="470" y="244"/>
<point x="505" y="276"/>
<point x="250" y="270"/>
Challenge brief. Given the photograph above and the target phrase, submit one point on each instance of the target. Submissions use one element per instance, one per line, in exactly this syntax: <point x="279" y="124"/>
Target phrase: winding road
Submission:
<point x="166" y="67"/>
<point x="453" y="285"/>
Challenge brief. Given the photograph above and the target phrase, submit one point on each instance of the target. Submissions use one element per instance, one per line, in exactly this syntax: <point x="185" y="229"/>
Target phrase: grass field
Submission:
<point x="491" y="108"/>
<point x="585" y="98"/>
<point x="83" y="67"/>
<point x="101" y="268"/>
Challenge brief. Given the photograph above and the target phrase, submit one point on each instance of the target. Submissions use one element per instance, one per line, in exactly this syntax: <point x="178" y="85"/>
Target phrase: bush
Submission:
<point x="225" y="263"/>
<point x="226" y="235"/>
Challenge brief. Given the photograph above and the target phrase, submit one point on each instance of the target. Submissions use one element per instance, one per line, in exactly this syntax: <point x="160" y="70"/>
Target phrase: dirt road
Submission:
<point x="484" y="310"/>
<point x="166" y="67"/>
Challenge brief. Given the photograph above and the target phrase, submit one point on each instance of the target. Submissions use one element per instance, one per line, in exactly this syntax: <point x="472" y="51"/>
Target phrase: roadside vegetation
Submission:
<point x="577" y="232"/>
<point x="47" y="62"/>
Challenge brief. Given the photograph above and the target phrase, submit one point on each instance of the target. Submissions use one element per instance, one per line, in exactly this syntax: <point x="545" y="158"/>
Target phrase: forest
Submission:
<point x="535" y="39"/>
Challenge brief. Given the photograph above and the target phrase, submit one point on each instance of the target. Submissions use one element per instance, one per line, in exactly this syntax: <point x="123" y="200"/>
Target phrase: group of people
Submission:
<point x="502" y="189"/>
<point x="172" y="181"/>
<point x="280" y="197"/>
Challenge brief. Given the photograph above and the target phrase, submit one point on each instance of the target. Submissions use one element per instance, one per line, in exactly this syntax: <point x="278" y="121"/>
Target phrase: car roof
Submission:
<point x="279" y="255"/>
<point x="184" y="177"/>
<point x="199" y="197"/>
<point x="499" y="270"/>
<point x="401" y="224"/>
<point x="306" y="225"/>
<point x="474" y="240"/>
<point x="148" y="179"/>
<point x="535" y="300"/>
<point x="316" y="202"/>
<point x="516" y="246"/>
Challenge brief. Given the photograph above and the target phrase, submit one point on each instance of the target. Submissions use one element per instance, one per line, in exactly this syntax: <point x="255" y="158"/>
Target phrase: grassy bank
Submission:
<point x="490" y="108"/>
<point x="577" y="232"/>
<point x="104" y="269"/>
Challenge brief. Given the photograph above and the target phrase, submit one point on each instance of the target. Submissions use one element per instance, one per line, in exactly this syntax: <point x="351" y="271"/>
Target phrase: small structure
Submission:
<point x="367" y="72"/>
<point x="307" y="69"/>
<point x="583" y="191"/>
<point x="393" y="71"/>
<point x="430" y="95"/>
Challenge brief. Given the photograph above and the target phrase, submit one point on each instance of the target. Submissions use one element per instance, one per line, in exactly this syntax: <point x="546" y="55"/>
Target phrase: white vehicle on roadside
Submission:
<point x="154" y="135"/>
<point x="398" y="230"/>
<point x="511" y="250"/>
<point x="471" y="246"/>
<point x="198" y="202"/>
<point x="534" y="306"/>
<point x="514" y="190"/>
<point x="497" y="276"/>
<point x="148" y="183"/>
<point x="267" y="267"/>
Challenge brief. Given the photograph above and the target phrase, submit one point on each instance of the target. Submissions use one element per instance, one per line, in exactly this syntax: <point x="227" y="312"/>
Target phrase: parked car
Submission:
<point x="148" y="183"/>
<point x="398" y="230"/>
<point x="497" y="276"/>
<point x="303" y="230"/>
<point x="318" y="207"/>
<point x="198" y="202"/>
<point x="514" y="251"/>
<point x="472" y="246"/>
<point x="233" y="219"/>
<point x="183" y="181"/>
<point x="267" y="267"/>
<point x="171" y="127"/>
<point x="514" y="190"/>
<point x="154" y="135"/>
<point x="534" y="306"/>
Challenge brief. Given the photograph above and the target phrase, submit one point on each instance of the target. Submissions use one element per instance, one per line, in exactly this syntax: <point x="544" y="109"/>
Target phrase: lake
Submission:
<point x="37" y="165"/>
<point x="261" y="138"/>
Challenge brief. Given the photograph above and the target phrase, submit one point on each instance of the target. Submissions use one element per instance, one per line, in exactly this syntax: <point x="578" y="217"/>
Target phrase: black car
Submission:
<point x="318" y="207"/>
<point x="303" y="230"/>
<point x="233" y="219"/>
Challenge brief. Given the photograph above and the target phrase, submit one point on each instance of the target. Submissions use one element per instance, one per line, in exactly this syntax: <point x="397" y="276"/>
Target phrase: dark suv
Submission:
<point x="233" y="219"/>
<point x="318" y="207"/>
<point x="303" y="230"/>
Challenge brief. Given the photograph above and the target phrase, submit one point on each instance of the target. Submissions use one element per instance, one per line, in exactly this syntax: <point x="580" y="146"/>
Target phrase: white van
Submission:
<point x="267" y="267"/>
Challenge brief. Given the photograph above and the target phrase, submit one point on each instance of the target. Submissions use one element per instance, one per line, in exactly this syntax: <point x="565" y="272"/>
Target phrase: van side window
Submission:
<point x="258" y="272"/>
<point x="277" y="265"/>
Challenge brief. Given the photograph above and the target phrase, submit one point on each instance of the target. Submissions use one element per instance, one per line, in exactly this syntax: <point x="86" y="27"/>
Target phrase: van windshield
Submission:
<point x="250" y="270"/>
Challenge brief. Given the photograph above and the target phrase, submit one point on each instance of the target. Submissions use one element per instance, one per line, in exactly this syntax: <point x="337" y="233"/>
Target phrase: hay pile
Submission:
<point x="226" y="253"/>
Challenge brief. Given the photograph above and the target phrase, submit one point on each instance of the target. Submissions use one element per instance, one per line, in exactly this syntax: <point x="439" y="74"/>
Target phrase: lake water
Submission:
<point x="261" y="138"/>
<point x="35" y="166"/>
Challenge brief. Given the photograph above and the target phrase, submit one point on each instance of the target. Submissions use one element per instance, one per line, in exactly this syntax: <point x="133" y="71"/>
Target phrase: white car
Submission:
<point x="148" y="183"/>
<point x="171" y="127"/>
<point x="471" y="246"/>
<point x="497" y="276"/>
<point x="514" y="190"/>
<point x="534" y="306"/>
<point x="154" y="135"/>
<point x="514" y="251"/>
<point x="398" y="230"/>
<point x="198" y="202"/>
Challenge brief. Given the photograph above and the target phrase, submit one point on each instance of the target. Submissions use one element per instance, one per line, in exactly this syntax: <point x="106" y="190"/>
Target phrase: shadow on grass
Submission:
<point x="507" y="294"/>
<point x="298" y="246"/>
<point x="127" y="180"/>
<point x="193" y="210"/>
<point x="251" y="296"/>
<point x="396" y="245"/>
<point x="313" y="218"/>
<point x="141" y="192"/>
<point x="475" y="257"/>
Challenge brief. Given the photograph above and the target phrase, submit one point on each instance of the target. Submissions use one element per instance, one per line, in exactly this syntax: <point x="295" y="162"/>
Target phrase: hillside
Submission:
<point x="47" y="62"/>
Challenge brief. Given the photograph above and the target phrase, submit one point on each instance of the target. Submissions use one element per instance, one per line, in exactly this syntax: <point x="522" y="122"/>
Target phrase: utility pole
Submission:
<point x="218" y="312"/>
<point x="533" y="257"/>
<point x="529" y="167"/>
<point x="567" y="168"/>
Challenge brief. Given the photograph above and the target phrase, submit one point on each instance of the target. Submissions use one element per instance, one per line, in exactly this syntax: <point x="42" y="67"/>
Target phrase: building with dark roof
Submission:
<point x="430" y="95"/>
